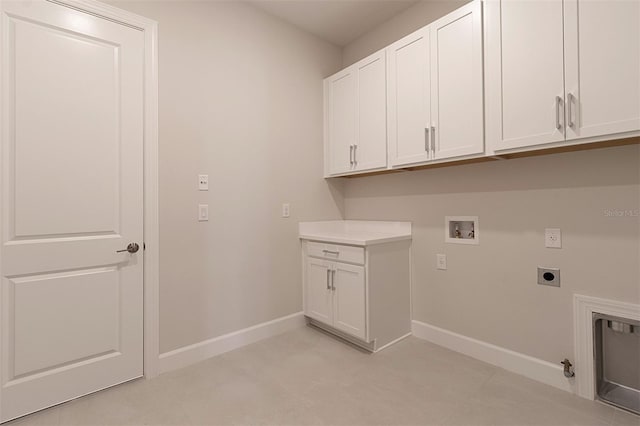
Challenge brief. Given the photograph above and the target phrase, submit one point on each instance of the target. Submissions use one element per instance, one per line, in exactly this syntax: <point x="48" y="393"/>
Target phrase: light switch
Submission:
<point x="552" y="238"/>
<point x="203" y="212"/>
<point x="286" y="210"/>
<point x="203" y="182"/>
<point x="441" y="261"/>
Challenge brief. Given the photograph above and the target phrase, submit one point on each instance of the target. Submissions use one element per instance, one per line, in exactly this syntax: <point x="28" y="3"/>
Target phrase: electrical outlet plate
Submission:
<point x="441" y="261"/>
<point x="286" y="210"/>
<point x="553" y="238"/>
<point x="203" y="182"/>
<point x="549" y="276"/>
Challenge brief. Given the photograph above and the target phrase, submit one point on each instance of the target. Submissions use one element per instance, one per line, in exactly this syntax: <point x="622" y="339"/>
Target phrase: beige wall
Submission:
<point x="399" y="26"/>
<point x="240" y="100"/>
<point x="489" y="291"/>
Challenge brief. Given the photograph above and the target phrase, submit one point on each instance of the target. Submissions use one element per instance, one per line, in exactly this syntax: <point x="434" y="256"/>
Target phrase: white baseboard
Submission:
<point x="200" y="351"/>
<point x="533" y="368"/>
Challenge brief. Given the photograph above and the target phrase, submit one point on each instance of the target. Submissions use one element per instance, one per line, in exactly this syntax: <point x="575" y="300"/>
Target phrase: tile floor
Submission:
<point x="306" y="377"/>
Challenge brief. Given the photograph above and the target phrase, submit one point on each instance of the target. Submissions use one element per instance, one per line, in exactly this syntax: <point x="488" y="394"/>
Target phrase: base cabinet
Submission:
<point x="359" y="293"/>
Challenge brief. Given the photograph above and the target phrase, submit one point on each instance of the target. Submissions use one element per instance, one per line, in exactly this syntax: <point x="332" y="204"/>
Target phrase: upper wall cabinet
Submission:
<point x="561" y="70"/>
<point x="435" y="88"/>
<point x="355" y="118"/>
<point x="602" y="67"/>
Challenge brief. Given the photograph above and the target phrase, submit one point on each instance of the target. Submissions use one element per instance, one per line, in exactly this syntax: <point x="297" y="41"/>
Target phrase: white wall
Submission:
<point x="489" y="292"/>
<point x="240" y="100"/>
<point x="397" y="27"/>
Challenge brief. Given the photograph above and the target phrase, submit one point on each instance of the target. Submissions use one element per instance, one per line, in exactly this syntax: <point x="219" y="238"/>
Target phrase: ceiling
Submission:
<point x="338" y="21"/>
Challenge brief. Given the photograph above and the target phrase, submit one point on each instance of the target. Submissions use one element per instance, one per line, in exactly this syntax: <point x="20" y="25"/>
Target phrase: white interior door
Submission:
<point x="72" y="195"/>
<point x="349" y="299"/>
<point x="456" y="83"/>
<point x="602" y="51"/>
<point x="409" y="99"/>
<point x="371" y="148"/>
<point x="340" y="92"/>
<point x="531" y="72"/>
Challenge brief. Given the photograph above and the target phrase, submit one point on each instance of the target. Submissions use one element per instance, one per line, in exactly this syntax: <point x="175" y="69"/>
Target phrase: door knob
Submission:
<point x="131" y="248"/>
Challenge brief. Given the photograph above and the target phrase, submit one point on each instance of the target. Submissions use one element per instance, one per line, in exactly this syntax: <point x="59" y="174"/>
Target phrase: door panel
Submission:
<point x="602" y="67"/>
<point x="318" y="292"/>
<point x="456" y="83"/>
<point x="72" y="194"/>
<point x="409" y="99"/>
<point x="532" y="73"/>
<point x="47" y="176"/>
<point x="371" y="149"/>
<point x="341" y="94"/>
<point x="349" y="299"/>
<point x="51" y="330"/>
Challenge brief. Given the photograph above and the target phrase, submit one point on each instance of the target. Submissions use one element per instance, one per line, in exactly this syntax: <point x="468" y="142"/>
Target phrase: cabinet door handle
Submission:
<point x="351" y="154"/>
<point x="426" y="139"/>
<point x="570" y="100"/>
<point x="333" y="280"/>
<point x="558" y="103"/>
<point x="337" y="253"/>
<point x="328" y="274"/>
<point x="433" y="140"/>
<point x="355" y="154"/>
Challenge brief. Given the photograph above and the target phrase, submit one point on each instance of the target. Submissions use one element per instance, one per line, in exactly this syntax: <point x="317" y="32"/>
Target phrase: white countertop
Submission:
<point x="355" y="232"/>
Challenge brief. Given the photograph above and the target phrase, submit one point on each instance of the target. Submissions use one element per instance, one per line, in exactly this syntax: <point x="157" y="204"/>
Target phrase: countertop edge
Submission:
<point x="353" y="241"/>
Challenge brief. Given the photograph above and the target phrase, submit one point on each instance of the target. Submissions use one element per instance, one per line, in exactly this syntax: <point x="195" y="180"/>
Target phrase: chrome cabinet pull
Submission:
<point x="355" y="154"/>
<point x="570" y="100"/>
<point x="433" y="140"/>
<point x="558" y="102"/>
<point x="337" y="253"/>
<point x="328" y="274"/>
<point x="426" y="139"/>
<point x="333" y="280"/>
<point x="351" y="154"/>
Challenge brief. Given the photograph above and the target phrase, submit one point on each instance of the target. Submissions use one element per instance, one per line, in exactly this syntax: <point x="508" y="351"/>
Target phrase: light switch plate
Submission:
<point x="441" y="261"/>
<point x="203" y="212"/>
<point x="553" y="238"/>
<point x="286" y="210"/>
<point x="203" y="182"/>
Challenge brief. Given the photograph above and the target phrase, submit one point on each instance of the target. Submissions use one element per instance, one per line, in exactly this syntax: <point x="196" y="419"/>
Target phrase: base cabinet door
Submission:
<point x="602" y="48"/>
<point x="319" y="293"/>
<point x="349" y="299"/>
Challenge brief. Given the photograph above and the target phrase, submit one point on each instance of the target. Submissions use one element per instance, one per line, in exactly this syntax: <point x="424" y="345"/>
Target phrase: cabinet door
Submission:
<point x="371" y="147"/>
<point x="349" y="313"/>
<point x="340" y="96"/>
<point x="525" y="72"/>
<point x="318" y="292"/>
<point x="408" y="112"/>
<point x="602" y="67"/>
<point x="456" y="83"/>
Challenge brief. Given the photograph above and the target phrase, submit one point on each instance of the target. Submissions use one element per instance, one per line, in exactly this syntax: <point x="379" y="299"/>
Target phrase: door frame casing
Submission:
<point x="150" y="160"/>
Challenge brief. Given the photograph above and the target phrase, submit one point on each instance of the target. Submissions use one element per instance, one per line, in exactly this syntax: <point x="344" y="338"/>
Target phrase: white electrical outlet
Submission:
<point x="553" y="238"/>
<point x="203" y="182"/>
<point x="286" y="210"/>
<point x="441" y="261"/>
<point x="203" y="212"/>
